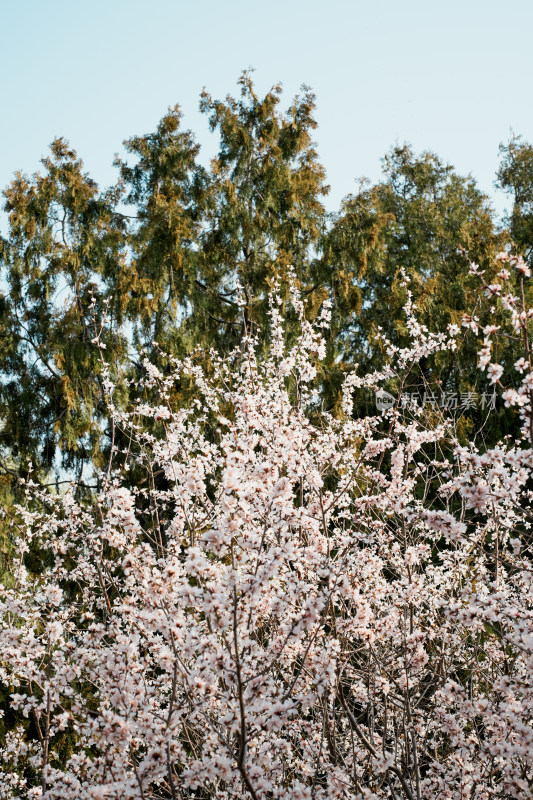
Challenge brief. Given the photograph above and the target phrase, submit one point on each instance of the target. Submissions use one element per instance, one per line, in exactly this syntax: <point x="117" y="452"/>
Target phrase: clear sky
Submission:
<point x="453" y="77"/>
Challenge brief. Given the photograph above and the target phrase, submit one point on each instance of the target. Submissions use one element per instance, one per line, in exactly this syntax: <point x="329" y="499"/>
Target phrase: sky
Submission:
<point x="452" y="77"/>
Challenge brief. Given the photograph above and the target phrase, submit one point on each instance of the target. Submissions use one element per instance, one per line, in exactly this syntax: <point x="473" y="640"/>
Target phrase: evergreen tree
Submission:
<point x="165" y="187"/>
<point x="202" y="235"/>
<point x="65" y="242"/>
<point x="264" y="211"/>
<point x="515" y="177"/>
<point x="421" y="219"/>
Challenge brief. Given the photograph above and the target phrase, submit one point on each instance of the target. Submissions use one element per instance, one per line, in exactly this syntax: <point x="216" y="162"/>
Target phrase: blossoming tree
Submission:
<point x="296" y="606"/>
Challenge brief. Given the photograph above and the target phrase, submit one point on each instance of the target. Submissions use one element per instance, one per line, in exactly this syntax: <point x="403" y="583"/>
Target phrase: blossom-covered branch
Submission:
<point x="301" y="606"/>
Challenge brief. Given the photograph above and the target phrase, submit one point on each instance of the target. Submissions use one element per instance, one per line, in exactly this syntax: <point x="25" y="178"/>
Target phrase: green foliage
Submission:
<point x="421" y="219"/>
<point x="157" y="262"/>
<point x="264" y="210"/>
<point x="166" y="188"/>
<point x="64" y="242"/>
<point x="515" y="176"/>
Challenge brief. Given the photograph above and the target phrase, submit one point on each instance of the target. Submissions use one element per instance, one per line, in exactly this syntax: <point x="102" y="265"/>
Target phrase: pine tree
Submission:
<point x="64" y="243"/>
<point x="165" y="188"/>
<point x="515" y="177"/>
<point x="264" y="211"/>
<point x="420" y="219"/>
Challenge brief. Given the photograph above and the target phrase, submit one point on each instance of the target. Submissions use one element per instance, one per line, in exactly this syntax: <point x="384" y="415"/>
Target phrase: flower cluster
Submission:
<point x="291" y="605"/>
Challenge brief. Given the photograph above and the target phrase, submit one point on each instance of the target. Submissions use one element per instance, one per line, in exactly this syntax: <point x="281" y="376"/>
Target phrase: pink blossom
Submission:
<point x="307" y="605"/>
<point x="494" y="372"/>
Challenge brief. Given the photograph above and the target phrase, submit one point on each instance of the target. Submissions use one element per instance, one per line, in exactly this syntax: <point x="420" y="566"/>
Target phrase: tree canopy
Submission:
<point x="198" y="353"/>
<point x="179" y="256"/>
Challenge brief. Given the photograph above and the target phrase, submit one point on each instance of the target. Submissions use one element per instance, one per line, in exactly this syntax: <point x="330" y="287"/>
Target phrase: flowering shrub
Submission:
<point x="297" y="606"/>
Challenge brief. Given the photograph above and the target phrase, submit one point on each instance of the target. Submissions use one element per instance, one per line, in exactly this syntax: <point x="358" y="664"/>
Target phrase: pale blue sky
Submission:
<point x="452" y="77"/>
